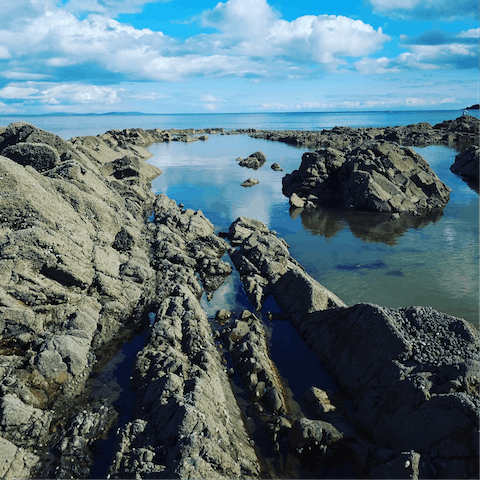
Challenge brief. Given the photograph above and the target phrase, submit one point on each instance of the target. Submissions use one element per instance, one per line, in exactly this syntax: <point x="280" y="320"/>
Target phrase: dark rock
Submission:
<point x="276" y="167"/>
<point x="374" y="176"/>
<point x="255" y="160"/>
<point x="39" y="155"/>
<point x="467" y="163"/>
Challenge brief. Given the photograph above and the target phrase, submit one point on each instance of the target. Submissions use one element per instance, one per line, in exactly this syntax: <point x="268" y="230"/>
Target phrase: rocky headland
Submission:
<point x="91" y="258"/>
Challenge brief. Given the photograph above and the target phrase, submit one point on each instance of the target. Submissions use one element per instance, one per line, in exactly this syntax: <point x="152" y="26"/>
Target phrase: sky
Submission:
<point x="169" y="56"/>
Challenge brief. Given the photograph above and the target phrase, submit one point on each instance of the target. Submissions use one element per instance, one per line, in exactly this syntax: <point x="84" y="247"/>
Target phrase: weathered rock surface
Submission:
<point x="411" y="375"/>
<point x="81" y="268"/>
<point x="255" y="160"/>
<point x="377" y="176"/>
<point x="188" y="424"/>
<point x="461" y="133"/>
<point x="467" y="163"/>
<point x="250" y="182"/>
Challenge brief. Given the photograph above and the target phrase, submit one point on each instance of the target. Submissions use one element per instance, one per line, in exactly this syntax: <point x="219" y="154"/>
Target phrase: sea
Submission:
<point x="360" y="256"/>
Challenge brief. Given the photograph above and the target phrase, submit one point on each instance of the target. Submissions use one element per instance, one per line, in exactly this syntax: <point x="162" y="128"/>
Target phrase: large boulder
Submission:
<point x="467" y="163"/>
<point x="377" y="176"/>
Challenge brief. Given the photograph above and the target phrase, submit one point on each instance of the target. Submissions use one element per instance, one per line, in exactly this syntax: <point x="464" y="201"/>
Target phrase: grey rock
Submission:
<point x="255" y="160"/>
<point x="250" y="182"/>
<point x="377" y="176"/>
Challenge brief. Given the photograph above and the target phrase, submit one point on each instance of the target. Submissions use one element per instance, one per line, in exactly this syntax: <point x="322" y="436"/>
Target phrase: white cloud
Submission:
<point x="427" y="9"/>
<point x="12" y="91"/>
<point x="358" y="104"/>
<point x="4" y="53"/>
<point x="251" y="41"/>
<point x="472" y="33"/>
<point x="7" y="109"/>
<point x="79" y="94"/>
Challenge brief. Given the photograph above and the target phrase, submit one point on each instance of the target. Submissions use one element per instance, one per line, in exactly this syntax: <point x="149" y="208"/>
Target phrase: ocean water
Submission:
<point x="360" y="257"/>
<point x="79" y="125"/>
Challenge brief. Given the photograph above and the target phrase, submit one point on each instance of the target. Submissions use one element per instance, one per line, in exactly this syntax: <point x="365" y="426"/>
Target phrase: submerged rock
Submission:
<point x="373" y="176"/>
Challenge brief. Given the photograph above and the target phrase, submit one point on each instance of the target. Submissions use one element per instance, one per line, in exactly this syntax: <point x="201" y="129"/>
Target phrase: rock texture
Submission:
<point x="377" y="176"/>
<point x="250" y="182"/>
<point x="255" y="160"/>
<point x="460" y="133"/>
<point x="82" y="269"/>
<point x="411" y="375"/>
<point x="467" y="164"/>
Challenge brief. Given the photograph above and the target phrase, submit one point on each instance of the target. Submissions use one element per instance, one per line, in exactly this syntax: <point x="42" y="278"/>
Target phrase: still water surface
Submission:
<point x="361" y="258"/>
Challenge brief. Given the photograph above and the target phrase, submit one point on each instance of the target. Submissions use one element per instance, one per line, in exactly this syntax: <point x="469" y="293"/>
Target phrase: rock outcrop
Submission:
<point x="467" y="164"/>
<point x="377" y="176"/>
<point x="410" y="375"/>
<point x="255" y="160"/>
<point x="83" y="269"/>
<point x="460" y="133"/>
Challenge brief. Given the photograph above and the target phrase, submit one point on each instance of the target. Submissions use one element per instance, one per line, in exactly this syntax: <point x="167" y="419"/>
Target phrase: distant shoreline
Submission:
<point x="69" y="114"/>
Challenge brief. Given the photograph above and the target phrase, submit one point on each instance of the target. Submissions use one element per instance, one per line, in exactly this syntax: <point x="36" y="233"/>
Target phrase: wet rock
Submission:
<point x="411" y="374"/>
<point x="296" y="201"/>
<point x="276" y="167"/>
<point x="467" y="163"/>
<point x="255" y="160"/>
<point x="250" y="182"/>
<point x="373" y="176"/>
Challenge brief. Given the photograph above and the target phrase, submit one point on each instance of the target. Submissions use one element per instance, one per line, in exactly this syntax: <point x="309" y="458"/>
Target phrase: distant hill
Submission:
<point x="474" y="107"/>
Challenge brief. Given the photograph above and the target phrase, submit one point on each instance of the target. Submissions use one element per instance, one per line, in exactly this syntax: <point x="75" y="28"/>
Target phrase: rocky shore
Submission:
<point x="91" y="258"/>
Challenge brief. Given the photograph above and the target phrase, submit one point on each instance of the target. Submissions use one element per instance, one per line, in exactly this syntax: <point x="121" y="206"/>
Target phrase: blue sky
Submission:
<point x="168" y="56"/>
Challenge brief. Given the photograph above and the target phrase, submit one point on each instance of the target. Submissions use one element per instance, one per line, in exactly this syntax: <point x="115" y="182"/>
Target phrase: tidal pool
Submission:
<point x="412" y="261"/>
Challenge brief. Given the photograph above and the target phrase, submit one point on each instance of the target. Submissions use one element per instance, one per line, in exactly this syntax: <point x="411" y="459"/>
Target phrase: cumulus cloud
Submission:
<point x="426" y="9"/>
<point x="432" y="50"/>
<point x="250" y="40"/>
<point x="79" y="94"/>
<point x="66" y="94"/>
<point x="12" y="91"/>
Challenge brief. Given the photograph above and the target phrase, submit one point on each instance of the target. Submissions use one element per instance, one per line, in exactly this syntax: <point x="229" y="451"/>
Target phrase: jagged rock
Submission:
<point x="411" y="374"/>
<point x="39" y="155"/>
<point x="255" y="160"/>
<point x="467" y="163"/>
<point x="276" y="167"/>
<point x="373" y="176"/>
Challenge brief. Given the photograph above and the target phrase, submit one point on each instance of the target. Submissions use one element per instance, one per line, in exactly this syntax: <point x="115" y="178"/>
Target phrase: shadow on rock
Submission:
<point x="368" y="226"/>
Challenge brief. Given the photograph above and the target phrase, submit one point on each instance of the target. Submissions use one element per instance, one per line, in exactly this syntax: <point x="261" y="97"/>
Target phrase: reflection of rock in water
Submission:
<point x="368" y="226"/>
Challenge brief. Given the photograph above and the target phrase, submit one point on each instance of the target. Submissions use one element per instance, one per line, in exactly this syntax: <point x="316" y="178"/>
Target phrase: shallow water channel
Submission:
<point x="432" y="261"/>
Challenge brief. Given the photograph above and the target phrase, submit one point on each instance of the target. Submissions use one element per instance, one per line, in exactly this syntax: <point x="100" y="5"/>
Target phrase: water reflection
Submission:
<point x="367" y="226"/>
